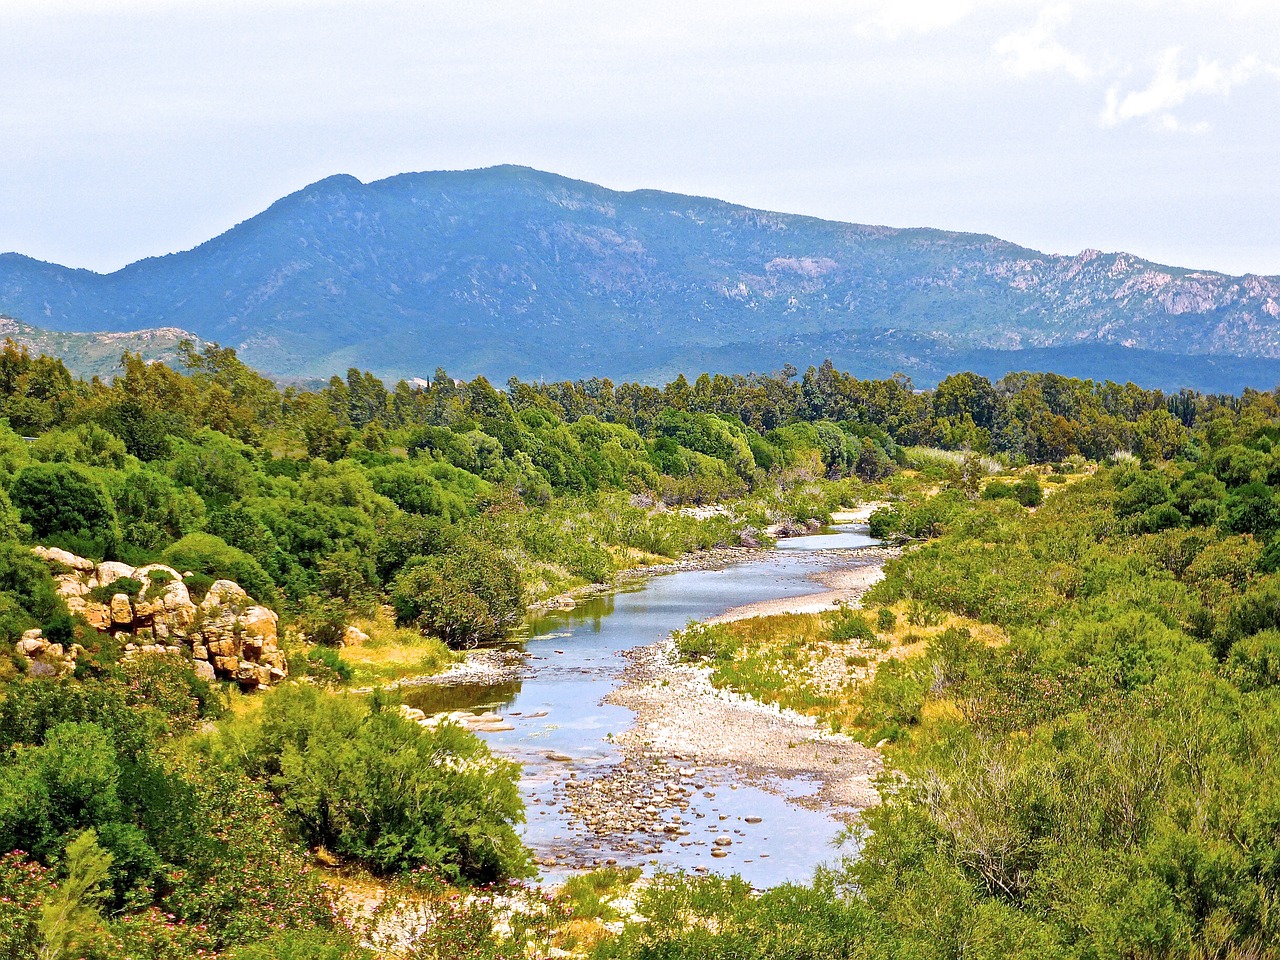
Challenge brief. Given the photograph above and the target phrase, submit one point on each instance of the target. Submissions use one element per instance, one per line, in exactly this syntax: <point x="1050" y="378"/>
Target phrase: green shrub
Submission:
<point x="1254" y="661"/>
<point x="852" y="625"/>
<point x="204" y="553"/>
<point x="886" y="620"/>
<point x="359" y="778"/>
<point x="325" y="664"/>
<point x="61" y="501"/>
<point x="895" y="698"/>
<point x="701" y="641"/>
<point x="472" y="595"/>
<point x="28" y="596"/>
<point x="129" y="586"/>
<point x="198" y="585"/>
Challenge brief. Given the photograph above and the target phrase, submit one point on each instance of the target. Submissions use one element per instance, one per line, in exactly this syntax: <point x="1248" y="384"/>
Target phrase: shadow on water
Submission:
<point x="563" y="728"/>
<point x="431" y="698"/>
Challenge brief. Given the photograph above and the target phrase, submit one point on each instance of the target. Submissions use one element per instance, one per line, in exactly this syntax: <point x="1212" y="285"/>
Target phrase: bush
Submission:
<point x="61" y="500"/>
<point x="886" y="620"/>
<point x="1026" y="491"/>
<point x="198" y="585"/>
<point x="466" y="597"/>
<point x="852" y="625"/>
<point x="130" y="587"/>
<point x="326" y="665"/>
<point x="359" y="778"/>
<point x="700" y="641"/>
<point x="28" y="597"/>
<point x="1254" y="662"/>
<point x="895" y="697"/>
<point x="204" y="553"/>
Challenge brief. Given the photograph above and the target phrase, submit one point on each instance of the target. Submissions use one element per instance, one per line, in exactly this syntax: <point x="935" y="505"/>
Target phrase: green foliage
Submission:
<point x="325" y="665"/>
<point x="70" y="919"/>
<point x="701" y="641"/>
<point x="1026" y="490"/>
<point x="203" y="553"/>
<point x="370" y="785"/>
<point x="129" y="586"/>
<point x="64" y="502"/>
<point x="28" y="597"/>
<point x="1254" y="661"/>
<point x="302" y="945"/>
<point x="852" y="625"/>
<point x="468" y="596"/>
<point x="715" y="918"/>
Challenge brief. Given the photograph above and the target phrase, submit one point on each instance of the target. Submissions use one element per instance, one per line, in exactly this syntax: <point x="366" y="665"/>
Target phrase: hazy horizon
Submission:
<point x="136" y="128"/>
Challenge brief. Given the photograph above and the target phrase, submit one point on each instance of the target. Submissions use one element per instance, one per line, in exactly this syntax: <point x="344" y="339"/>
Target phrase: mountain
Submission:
<point x="509" y="270"/>
<point x="96" y="354"/>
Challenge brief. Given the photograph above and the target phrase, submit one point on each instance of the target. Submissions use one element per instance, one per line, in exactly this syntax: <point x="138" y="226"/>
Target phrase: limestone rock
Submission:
<point x="98" y="615"/>
<point x="110" y="571"/>
<point x="121" y="609"/>
<point x="354" y="636"/>
<point x="224" y="593"/>
<point x="64" y="557"/>
<point x="228" y="635"/>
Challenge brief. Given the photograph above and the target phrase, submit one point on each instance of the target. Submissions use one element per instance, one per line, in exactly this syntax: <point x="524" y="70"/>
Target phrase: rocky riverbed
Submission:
<point x="679" y="712"/>
<point x="631" y="757"/>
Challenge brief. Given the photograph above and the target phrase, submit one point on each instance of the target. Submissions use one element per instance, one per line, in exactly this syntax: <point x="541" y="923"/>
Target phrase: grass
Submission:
<point x="798" y="662"/>
<point x="393" y="653"/>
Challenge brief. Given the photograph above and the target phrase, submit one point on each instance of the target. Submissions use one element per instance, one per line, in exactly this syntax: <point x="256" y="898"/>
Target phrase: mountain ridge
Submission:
<point x="509" y="270"/>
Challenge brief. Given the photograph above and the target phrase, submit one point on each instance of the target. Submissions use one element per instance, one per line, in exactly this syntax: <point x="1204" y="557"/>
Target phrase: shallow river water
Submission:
<point x="558" y="710"/>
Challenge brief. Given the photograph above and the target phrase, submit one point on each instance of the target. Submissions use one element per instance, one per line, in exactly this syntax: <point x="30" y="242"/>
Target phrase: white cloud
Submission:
<point x="1170" y="88"/>
<point x="893" y="18"/>
<point x="1036" y="50"/>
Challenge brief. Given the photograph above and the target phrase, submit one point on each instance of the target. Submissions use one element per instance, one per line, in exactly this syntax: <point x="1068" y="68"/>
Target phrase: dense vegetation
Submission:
<point x="1107" y="770"/>
<point x="1091" y="769"/>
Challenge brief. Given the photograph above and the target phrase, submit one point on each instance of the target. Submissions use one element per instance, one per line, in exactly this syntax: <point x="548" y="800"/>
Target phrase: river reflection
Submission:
<point x="563" y="729"/>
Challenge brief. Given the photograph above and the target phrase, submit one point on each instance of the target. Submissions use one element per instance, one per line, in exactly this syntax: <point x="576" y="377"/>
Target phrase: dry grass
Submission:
<point x="793" y="661"/>
<point x="394" y="653"/>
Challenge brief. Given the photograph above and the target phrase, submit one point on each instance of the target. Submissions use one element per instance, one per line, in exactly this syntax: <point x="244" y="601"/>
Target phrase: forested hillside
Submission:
<point x="1104" y="773"/>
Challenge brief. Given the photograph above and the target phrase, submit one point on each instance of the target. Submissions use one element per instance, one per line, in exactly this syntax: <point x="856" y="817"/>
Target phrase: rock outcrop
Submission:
<point x="227" y="635"/>
<point x="45" y="658"/>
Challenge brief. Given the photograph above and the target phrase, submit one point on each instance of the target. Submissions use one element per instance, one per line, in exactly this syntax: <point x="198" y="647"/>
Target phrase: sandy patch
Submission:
<point x="860" y="514"/>
<point x="845" y="587"/>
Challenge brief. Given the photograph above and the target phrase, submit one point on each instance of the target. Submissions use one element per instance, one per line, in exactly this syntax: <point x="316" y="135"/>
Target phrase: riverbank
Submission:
<point x="679" y="713"/>
<point x="715" y="559"/>
<point x="844" y="587"/>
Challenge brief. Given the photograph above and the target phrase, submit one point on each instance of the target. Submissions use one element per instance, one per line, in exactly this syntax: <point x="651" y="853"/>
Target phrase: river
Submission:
<point x="563" y="729"/>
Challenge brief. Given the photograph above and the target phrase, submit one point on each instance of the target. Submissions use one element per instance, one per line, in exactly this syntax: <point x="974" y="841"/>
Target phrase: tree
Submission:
<point x="464" y="597"/>
<point x="64" y="500"/>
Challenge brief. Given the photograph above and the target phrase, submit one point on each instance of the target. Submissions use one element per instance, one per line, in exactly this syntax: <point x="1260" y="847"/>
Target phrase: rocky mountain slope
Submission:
<point x="96" y="354"/>
<point x="512" y="271"/>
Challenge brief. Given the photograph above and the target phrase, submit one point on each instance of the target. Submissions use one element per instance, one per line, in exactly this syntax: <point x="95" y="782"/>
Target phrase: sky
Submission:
<point x="133" y="128"/>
